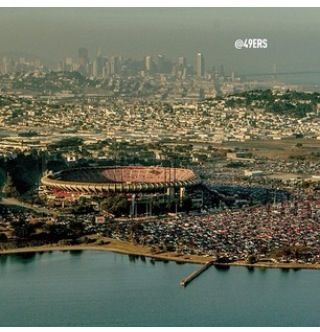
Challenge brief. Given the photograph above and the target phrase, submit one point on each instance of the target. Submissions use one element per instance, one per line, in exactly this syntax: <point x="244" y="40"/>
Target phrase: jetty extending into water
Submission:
<point x="184" y="282"/>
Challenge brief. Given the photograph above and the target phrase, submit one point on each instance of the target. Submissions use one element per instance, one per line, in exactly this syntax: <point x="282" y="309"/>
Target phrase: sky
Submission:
<point x="293" y="34"/>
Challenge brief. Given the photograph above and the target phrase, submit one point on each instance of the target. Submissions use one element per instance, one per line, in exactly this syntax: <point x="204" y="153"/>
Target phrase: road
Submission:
<point x="16" y="202"/>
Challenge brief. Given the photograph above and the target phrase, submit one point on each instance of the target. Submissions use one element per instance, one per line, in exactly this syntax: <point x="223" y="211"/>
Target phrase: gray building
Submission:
<point x="200" y="67"/>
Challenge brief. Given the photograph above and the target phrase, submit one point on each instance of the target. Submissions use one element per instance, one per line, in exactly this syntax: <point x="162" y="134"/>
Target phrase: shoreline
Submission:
<point x="126" y="248"/>
<point x="116" y="246"/>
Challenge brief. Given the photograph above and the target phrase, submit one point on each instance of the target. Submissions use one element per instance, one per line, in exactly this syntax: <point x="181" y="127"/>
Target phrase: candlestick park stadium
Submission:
<point x="139" y="190"/>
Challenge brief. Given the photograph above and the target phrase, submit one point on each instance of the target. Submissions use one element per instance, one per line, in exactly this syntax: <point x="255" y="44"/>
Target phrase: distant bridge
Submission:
<point x="284" y="73"/>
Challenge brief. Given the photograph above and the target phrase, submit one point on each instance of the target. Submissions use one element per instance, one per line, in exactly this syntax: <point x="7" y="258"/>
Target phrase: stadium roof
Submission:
<point x="120" y="179"/>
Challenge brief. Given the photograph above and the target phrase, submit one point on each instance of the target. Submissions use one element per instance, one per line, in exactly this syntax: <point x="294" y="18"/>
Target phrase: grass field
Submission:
<point x="280" y="149"/>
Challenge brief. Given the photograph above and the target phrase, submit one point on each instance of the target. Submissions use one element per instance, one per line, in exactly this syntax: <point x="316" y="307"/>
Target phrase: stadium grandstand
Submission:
<point x="143" y="187"/>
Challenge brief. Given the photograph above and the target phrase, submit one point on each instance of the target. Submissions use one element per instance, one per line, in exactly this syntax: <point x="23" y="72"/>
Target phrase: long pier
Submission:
<point x="184" y="282"/>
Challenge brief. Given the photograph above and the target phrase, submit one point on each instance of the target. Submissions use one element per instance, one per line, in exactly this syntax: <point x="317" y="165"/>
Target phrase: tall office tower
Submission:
<point x="200" y="68"/>
<point x="160" y="63"/>
<point x="83" y="60"/>
<point x="114" y="65"/>
<point x="148" y="63"/>
<point x="180" y="67"/>
<point x="95" y="68"/>
<point x="98" y="64"/>
<point x="182" y="61"/>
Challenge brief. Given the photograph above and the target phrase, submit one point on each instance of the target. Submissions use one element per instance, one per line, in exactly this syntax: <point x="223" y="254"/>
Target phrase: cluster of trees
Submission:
<point x="298" y="110"/>
<point x="30" y="133"/>
<point x="25" y="172"/>
<point x="84" y="205"/>
<point x="67" y="143"/>
<point x="115" y="204"/>
<point x="291" y="103"/>
<point x="22" y="174"/>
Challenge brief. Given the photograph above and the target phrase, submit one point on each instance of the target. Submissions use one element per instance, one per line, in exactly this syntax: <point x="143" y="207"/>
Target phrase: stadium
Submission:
<point x="144" y="188"/>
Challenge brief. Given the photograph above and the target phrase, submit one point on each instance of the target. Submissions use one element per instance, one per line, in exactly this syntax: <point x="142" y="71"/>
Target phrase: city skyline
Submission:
<point x="97" y="64"/>
<point x="53" y="34"/>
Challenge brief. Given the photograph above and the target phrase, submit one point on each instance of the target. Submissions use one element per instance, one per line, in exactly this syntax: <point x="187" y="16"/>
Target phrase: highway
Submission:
<point x="16" y="202"/>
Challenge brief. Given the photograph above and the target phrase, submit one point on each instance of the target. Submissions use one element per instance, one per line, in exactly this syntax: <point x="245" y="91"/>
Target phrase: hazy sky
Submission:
<point x="53" y="33"/>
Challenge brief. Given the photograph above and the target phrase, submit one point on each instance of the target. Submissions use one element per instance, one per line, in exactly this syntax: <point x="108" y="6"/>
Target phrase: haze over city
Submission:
<point x="52" y="34"/>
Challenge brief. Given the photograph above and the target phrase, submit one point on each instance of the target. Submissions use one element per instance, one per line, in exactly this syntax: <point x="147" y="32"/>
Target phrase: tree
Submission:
<point x="116" y="204"/>
<point x="83" y="206"/>
<point x="3" y="237"/>
<point x="9" y="189"/>
<point x="252" y="259"/>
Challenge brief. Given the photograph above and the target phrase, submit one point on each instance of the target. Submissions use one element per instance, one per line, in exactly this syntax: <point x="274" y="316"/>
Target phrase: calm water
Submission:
<point x="100" y="288"/>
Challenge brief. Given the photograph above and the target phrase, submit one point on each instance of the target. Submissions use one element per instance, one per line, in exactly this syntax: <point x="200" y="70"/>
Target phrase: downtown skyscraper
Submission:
<point x="200" y="66"/>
